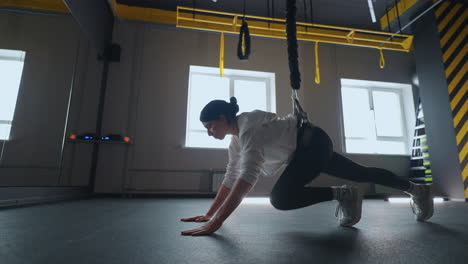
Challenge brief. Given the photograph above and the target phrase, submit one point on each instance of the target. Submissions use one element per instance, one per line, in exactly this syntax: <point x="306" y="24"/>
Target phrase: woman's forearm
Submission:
<point x="239" y="191"/>
<point x="223" y="192"/>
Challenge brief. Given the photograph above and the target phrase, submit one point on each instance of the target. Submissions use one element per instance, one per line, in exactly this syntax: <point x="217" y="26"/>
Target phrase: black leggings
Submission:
<point x="314" y="154"/>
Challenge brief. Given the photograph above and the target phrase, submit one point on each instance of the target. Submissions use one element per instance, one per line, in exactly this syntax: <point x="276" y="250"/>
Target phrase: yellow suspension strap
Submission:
<point x="317" y="67"/>
<point x="221" y="55"/>
<point x="382" y="59"/>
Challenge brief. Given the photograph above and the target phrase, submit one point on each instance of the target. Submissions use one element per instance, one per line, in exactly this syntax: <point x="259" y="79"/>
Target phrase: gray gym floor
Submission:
<point x="148" y="231"/>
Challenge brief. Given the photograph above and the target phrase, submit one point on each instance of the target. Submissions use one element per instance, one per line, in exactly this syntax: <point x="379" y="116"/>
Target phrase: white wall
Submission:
<point x="147" y="98"/>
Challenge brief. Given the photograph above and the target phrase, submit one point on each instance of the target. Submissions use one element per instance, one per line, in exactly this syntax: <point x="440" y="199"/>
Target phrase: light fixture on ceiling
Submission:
<point x="371" y="9"/>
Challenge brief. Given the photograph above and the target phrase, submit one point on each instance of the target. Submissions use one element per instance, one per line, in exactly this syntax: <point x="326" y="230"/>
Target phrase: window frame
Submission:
<point x="233" y="75"/>
<point x="405" y="119"/>
<point x="19" y="56"/>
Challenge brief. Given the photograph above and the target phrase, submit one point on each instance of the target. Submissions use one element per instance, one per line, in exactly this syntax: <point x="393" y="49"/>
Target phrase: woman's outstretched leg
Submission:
<point x="421" y="194"/>
<point x="345" y="168"/>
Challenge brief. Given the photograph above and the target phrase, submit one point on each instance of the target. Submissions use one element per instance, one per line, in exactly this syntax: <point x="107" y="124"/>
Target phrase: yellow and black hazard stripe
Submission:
<point x="451" y="18"/>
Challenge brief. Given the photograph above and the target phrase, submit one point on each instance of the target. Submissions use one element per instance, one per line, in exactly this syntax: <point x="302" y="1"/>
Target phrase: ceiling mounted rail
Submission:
<point x="201" y="19"/>
<point x="49" y="5"/>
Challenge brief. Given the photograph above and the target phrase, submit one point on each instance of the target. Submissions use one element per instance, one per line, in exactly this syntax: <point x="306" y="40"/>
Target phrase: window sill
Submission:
<point x="377" y="154"/>
<point x="202" y="148"/>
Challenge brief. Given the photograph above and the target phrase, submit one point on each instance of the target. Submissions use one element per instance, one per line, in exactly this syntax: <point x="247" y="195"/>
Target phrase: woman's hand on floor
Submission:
<point x="200" y="218"/>
<point x="206" y="229"/>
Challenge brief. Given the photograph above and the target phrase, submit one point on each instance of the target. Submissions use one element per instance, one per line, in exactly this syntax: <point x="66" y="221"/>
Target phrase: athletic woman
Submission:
<point x="264" y="144"/>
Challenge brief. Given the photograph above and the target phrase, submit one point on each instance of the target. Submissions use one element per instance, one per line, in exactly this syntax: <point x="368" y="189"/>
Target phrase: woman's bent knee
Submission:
<point x="279" y="203"/>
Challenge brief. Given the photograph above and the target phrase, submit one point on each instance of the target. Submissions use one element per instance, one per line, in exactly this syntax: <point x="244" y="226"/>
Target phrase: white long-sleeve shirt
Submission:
<point x="264" y="147"/>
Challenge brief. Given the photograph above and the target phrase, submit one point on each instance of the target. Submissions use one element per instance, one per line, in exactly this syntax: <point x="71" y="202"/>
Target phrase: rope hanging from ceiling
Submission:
<point x="295" y="75"/>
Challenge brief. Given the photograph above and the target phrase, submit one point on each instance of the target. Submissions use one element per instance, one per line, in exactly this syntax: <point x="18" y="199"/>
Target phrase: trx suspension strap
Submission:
<point x="243" y="47"/>
<point x="317" y="67"/>
<point x="221" y="55"/>
<point x="295" y="75"/>
<point x="382" y="59"/>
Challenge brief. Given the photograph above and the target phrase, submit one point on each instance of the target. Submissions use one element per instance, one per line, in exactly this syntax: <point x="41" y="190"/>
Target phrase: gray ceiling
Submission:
<point x="346" y="13"/>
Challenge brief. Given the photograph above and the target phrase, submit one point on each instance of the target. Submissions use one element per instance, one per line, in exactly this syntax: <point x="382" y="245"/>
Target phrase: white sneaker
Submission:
<point x="422" y="201"/>
<point x="349" y="206"/>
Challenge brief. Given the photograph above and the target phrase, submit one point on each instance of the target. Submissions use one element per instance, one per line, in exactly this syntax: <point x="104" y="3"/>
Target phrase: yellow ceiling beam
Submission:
<point x="276" y="28"/>
<point x="233" y="26"/>
<point x="46" y="5"/>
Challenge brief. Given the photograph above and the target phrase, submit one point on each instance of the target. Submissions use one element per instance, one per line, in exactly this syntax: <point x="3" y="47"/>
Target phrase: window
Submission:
<point x="11" y="69"/>
<point x="377" y="116"/>
<point x="253" y="90"/>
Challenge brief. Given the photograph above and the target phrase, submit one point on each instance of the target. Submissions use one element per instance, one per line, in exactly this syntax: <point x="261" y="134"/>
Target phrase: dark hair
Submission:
<point x="215" y="108"/>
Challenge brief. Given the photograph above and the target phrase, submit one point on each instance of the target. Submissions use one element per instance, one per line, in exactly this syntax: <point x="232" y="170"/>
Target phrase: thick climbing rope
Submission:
<point x="295" y="75"/>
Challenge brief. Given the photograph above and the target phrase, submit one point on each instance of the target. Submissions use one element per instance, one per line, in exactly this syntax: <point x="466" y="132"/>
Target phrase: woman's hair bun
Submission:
<point x="235" y="107"/>
<point x="233" y="100"/>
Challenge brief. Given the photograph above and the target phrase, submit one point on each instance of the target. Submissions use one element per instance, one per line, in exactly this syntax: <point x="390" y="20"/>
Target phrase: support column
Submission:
<point x="442" y="87"/>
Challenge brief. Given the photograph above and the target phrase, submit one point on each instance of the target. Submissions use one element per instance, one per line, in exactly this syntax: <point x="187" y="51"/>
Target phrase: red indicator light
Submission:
<point x="127" y="139"/>
<point x="72" y="136"/>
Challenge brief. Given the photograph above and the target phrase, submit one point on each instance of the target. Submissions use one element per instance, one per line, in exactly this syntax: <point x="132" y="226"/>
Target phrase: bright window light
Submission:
<point x="387" y="114"/>
<point x="11" y="69"/>
<point x="356" y="104"/>
<point x="407" y="200"/>
<point x="375" y="117"/>
<point x="253" y="90"/>
<point x="258" y="200"/>
<point x="247" y="90"/>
